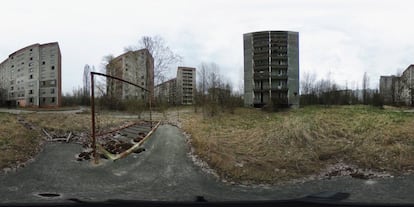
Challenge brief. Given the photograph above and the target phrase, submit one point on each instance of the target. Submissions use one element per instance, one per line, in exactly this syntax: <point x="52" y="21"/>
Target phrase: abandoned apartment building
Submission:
<point x="398" y="90"/>
<point x="179" y="90"/>
<point x="133" y="66"/>
<point x="31" y="77"/>
<point x="271" y="68"/>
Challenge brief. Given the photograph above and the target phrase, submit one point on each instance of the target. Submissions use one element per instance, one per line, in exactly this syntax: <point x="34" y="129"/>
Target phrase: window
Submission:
<point x="22" y="63"/>
<point x="11" y="88"/>
<point x="12" y="66"/>
<point x="31" y="58"/>
<point x="30" y="69"/>
<point x="52" y="90"/>
<point x="142" y="83"/>
<point x="31" y="77"/>
<point x="31" y="49"/>
<point x="31" y="100"/>
<point x="53" y="67"/>
<point x="43" y="83"/>
<point x="43" y="62"/>
<point x="53" y="99"/>
<point x="44" y="100"/>
<point x="31" y="92"/>
<point x="52" y="82"/>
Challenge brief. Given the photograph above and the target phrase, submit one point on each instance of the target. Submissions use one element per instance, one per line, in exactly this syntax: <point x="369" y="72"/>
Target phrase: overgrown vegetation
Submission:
<point x="327" y="92"/>
<point x="17" y="144"/>
<point x="215" y="96"/>
<point x="252" y="145"/>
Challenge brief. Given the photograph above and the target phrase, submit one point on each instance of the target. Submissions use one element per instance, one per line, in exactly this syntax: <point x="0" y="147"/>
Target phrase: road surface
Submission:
<point x="166" y="172"/>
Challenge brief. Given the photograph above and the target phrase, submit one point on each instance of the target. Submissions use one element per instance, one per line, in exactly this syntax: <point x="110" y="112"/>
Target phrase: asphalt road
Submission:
<point x="165" y="172"/>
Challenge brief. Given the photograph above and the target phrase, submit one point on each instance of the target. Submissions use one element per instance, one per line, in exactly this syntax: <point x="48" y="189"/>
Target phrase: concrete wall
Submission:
<point x="293" y="69"/>
<point x="248" y="69"/>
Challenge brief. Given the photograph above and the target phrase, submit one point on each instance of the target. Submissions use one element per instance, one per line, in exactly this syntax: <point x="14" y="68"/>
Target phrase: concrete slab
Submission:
<point x="165" y="172"/>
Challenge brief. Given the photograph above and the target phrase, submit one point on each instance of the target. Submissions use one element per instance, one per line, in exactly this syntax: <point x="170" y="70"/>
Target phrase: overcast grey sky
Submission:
<point x="338" y="38"/>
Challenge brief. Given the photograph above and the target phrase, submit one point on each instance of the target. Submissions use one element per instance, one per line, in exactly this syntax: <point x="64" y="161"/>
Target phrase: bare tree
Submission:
<point x="163" y="56"/>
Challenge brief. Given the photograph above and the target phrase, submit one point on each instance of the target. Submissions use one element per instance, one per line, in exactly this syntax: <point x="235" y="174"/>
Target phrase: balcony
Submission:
<point x="261" y="90"/>
<point x="279" y="77"/>
<point x="279" y="89"/>
<point x="261" y="67"/>
<point x="260" y="76"/>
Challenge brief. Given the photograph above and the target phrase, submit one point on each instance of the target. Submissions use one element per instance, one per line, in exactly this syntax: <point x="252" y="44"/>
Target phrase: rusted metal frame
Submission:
<point x="95" y="157"/>
<point x="94" y="144"/>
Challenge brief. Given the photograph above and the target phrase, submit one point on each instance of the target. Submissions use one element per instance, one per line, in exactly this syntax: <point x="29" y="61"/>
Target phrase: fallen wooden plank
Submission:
<point x="69" y="136"/>
<point x="47" y="134"/>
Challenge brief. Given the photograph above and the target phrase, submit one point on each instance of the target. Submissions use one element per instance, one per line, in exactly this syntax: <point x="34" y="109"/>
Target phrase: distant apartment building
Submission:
<point x="179" y="90"/>
<point x="31" y="77"/>
<point x="398" y="89"/>
<point x="186" y="85"/>
<point x="271" y="68"/>
<point x="136" y="67"/>
<point x="166" y="92"/>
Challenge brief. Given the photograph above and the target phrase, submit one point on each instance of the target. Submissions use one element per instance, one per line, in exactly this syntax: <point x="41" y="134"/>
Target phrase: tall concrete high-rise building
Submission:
<point x="31" y="77"/>
<point x="271" y="68"/>
<point x="180" y="90"/>
<point x="136" y="67"/>
<point x="186" y="85"/>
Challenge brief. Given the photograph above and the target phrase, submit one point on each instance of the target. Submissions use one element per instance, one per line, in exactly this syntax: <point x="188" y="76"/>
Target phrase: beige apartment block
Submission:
<point x="31" y="77"/>
<point x="136" y="67"/>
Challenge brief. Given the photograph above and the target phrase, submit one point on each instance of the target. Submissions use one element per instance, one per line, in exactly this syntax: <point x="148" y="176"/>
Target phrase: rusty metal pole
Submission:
<point x="150" y="97"/>
<point x="93" y="119"/>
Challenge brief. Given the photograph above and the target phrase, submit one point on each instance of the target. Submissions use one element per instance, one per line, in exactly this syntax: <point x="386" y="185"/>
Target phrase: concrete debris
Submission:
<point x="343" y="169"/>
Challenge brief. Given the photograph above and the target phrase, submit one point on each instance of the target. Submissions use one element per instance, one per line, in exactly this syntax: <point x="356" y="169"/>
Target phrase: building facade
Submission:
<point x="186" y="85"/>
<point x="398" y="90"/>
<point x="271" y="68"/>
<point x="166" y="92"/>
<point x="31" y="77"/>
<point x="180" y="90"/>
<point x="136" y="67"/>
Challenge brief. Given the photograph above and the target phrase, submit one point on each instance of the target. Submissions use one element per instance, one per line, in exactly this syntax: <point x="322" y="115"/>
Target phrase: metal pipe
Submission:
<point x="93" y="119"/>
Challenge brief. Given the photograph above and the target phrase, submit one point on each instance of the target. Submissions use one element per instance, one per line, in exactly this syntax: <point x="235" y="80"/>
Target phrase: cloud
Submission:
<point x="343" y="38"/>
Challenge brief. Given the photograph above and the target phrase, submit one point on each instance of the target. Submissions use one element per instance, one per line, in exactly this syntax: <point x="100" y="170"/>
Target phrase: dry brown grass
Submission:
<point x="61" y="122"/>
<point x="17" y="144"/>
<point x="252" y="145"/>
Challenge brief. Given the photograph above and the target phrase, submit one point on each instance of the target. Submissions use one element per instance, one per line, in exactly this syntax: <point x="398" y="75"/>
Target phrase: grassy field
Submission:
<point x="17" y="144"/>
<point x="257" y="146"/>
